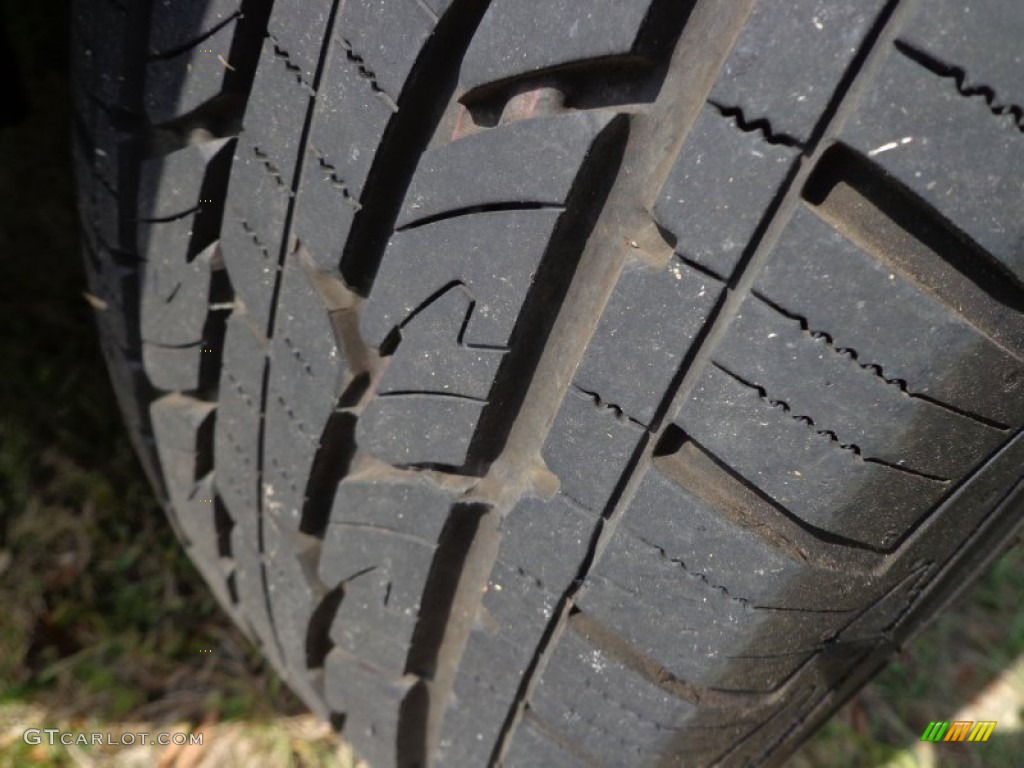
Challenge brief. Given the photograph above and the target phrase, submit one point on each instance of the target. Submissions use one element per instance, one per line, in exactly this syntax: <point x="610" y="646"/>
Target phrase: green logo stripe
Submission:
<point x="935" y="731"/>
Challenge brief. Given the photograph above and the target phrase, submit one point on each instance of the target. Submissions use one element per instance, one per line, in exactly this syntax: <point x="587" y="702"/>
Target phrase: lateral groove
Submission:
<point x="368" y="74"/>
<point x="961" y="78"/>
<point x="827" y="433"/>
<point x="853" y="194"/>
<point x="873" y="368"/>
<point x="760" y="125"/>
<point x="616" y="646"/>
<point x="336" y="180"/>
<point x="177" y="50"/>
<point x="488" y="208"/>
<point x="696" y="468"/>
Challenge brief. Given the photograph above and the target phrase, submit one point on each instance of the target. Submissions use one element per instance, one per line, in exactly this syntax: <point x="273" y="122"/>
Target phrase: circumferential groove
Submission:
<point x="318" y="639"/>
<point x="439" y="633"/>
<point x="537" y="317"/>
<point x="420" y="107"/>
<point x="331" y="464"/>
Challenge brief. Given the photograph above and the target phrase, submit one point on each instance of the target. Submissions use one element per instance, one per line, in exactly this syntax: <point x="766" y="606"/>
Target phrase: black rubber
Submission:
<point x="567" y="384"/>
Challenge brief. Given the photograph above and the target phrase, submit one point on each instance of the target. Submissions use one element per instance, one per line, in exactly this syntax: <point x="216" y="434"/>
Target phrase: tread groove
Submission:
<point x="554" y="276"/>
<point x="889" y="221"/>
<point x="418" y="111"/>
<point x="761" y="125"/>
<point x="433" y="651"/>
<point x="488" y="208"/>
<point x="616" y="646"/>
<point x="960" y="77"/>
<point x="874" y="368"/>
<point x="271" y="325"/>
<point x="726" y="28"/>
<point x="332" y="462"/>
<point x="852" y="448"/>
<point x="694" y="467"/>
<point x="618" y="81"/>
<point x="177" y="50"/>
<point x="318" y="639"/>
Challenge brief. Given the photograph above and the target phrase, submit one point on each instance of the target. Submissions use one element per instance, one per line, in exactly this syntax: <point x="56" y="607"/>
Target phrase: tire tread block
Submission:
<point x="172" y="184"/>
<point x="980" y="39"/>
<point x="596" y="702"/>
<point x="453" y="251"/>
<point x="383" y="589"/>
<point x="811" y="474"/>
<point x="930" y="118"/>
<point x="864" y="305"/>
<point x="711" y="637"/>
<point x="605" y="436"/>
<point x="380" y="544"/>
<point x="514" y="39"/>
<point x="440" y="363"/>
<point x="533" y="746"/>
<point x="383" y="38"/>
<point x="99" y="36"/>
<point x="718" y="190"/>
<point x="370" y="702"/>
<point x="789" y="59"/>
<point x="528" y="161"/>
<point x="296" y="29"/>
<point x="236" y="437"/>
<point x="172" y="26"/>
<point x="175" y="86"/>
<point x="665" y="515"/>
<point x="858" y="404"/>
<point x="410" y="430"/>
<point x="647" y="329"/>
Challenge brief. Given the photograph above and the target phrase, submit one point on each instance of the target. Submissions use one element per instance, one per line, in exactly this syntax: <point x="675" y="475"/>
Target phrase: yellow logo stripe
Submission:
<point x="982" y="730"/>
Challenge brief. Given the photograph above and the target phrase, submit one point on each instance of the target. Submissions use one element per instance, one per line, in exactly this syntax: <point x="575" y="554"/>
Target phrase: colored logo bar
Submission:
<point x="958" y="730"/>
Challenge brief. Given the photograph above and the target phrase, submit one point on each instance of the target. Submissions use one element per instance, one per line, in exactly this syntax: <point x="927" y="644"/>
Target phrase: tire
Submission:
<point x="566" y="385"/>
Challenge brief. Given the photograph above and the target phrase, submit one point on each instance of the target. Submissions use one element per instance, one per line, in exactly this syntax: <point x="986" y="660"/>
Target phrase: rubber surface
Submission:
<point x="566" y="384"/>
